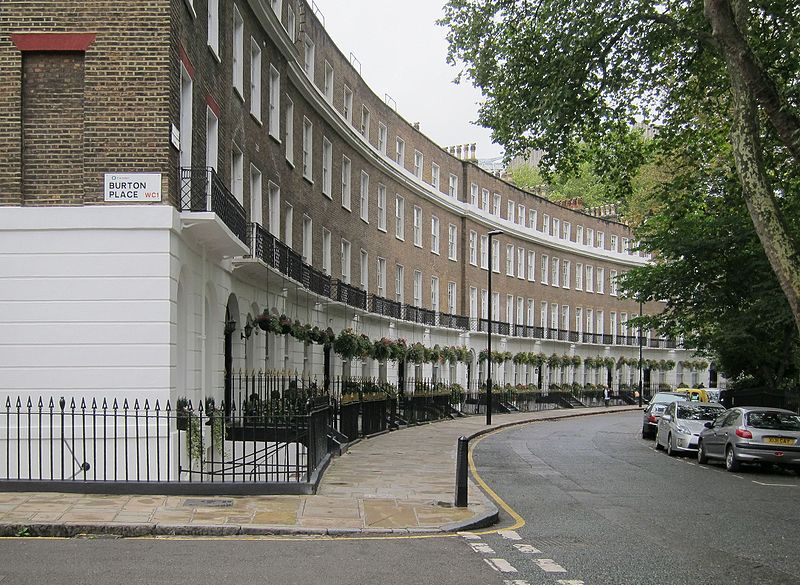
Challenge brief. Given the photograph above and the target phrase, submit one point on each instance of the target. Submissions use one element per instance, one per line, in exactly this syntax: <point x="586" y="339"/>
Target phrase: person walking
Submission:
<point x="606" y="395"/>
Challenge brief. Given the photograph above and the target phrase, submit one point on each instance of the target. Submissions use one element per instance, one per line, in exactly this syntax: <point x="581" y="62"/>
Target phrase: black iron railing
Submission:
<point x="350" y="295"/>
<point x="386" y="307"/>
<point x="419" y="315"/>
<point x="202" y="190"/>
<point x="453" y="321"/>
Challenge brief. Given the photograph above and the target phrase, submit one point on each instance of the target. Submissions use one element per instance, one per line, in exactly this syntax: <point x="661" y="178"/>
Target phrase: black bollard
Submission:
<point x="461" y="472"/>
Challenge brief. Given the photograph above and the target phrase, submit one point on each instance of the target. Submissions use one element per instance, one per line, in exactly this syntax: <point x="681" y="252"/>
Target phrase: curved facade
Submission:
<point x="286" y="186"/>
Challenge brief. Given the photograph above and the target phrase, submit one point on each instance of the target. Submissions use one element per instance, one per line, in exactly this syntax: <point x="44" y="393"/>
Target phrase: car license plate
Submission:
<point x="779" y="440"/>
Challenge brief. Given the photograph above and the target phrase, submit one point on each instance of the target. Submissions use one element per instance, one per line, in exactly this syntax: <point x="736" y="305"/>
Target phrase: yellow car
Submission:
<point x="695" y="394"/>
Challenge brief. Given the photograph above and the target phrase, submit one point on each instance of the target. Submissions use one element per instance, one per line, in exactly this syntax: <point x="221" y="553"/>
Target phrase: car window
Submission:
<point x="730" y="419"/>
<point x="775" y="421"/>
<point x="695" y="411"/>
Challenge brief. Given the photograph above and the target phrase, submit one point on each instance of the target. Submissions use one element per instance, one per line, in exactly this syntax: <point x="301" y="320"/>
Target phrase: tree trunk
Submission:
<point x="761" y="203"/>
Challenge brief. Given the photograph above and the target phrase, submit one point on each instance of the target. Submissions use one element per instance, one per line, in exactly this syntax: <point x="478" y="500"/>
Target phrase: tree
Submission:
<point x="717" y="77"/>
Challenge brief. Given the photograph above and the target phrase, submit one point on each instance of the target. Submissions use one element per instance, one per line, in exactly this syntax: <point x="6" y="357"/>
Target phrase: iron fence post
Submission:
<point x="461" y="472"/>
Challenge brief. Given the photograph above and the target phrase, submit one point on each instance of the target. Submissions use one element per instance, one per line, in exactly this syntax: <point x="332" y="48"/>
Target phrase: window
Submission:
<point x="612" y="282"/>
<point x="589" y="278"/>
<point x="417" y="224"/>
<point x="521" y="263"/>
<point x="495" y="256"/>
<point x="237" y="173"/>
<point x="601" y="240"/>
<point x="327" y="163"/>
<point x="612" y="323"/>
<point x="556" y="227"/>
<point x="555" y="273"/>
<point x="255" y="79"/>
<point x="417" y="300"/>
<point x="485" y="252"/>
<point x="326" y="251"/>
<point x="578" y="320"/>
<point x="565" y="318"/>
<point x="307" y="239"/>
<point x="473" y="302"/>
<point x="451" y="298"/>
<point x="484" y="304"/>
<point x="509" y="260"/>
<point x="509" y="308"/>
<point x="346" y="178"/>
<point x="381" y="207"/>
<point x="399" y="279"/>
<point x="256" y="207"/>
<point x="589" y="321"/>
<point x="531" y="314"/>
<point x="521" y="215"/>
<point x="473" y="247"/>
<point x="452" y="242"/>
<point x="213" y="26"/>
<point x="274" y="122"/>
<point x="399" y="217"/>
<point x="345" y="261"/>
<point x="473" y="194"/>
<point x="238" y="52"/>
<point x="601" y="281"/>
<point x="289" y="131"/>
<point x="520" y="311"/>
<point x="532" y="219"/>
<point x="496" y="304"/>
<point x="328" y="83"/>
<point x="578" y="276"/>
<point x="347" y="105"/>
<point x="400" y="152"/>
<point x="543" y="314"/>
<point x="212" y="139"/>
<point x="288" y="224"/>
<point x="435" y="176"/>
<point x="626" y="246"/>
<point x="452" y="187"/>
<point x="485" y="200"/>
<point x="364" y="206"/>
<point x="308" y="46"/>
<point x="589" y="237"/>
<point x="579" y="234"/>
<point x="511" y="210"/>
<point x="291" y="23"/>
<point x="554" y="316"/>
<point x="381" y="277"/>
<point x="545" y="271"/>
<point x="434" y="234"/>
<point x="614" y="244"/>
<point x="567" y="230"/>
<point x="276" y="7"/>
<point x="274" y="209"/>
<point x="565" y="273"/>
<point x="186" y="120"/>
<point x="418" y="164"/>
<point x="531" y="266"/>
<point x="496" y="204"/>
<point x="435" y="294"/>
<point x="365" y="122"/>
<point x="545" y="223"/>
<point x="600" y="325"/>
<point x="364" y="270"/>
<point x="382" y="133"/>
<point x="308" y="129"/>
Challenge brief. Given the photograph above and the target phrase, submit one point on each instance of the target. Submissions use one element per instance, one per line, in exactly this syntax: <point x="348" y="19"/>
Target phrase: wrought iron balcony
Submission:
<point x="350" y="295"/>
<point x="386" y="307"/>
<point x="453" y="321"/>
<point x="203" y="191"/>
<point x="420" y="315"/>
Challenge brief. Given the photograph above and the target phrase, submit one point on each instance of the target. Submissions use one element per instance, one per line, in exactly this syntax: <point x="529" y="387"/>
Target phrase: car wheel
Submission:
<point x="645" y="433"/>
<point x="670" y="450"/>
<point x="731" y="463"/>
<point x="702" y="457"/>
<point x="658" y="445"/>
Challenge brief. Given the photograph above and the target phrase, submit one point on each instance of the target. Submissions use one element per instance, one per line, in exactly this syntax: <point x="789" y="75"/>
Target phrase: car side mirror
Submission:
<point x="709" y="424"/>
<point x="666" y="417"/>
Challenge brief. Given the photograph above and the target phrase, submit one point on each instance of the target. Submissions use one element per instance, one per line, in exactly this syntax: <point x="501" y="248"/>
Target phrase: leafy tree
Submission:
<point x="719" y="78"/>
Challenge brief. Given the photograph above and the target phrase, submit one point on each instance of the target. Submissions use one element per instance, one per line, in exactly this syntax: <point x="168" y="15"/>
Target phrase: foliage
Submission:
<point x="416" y="353"/>
<point x="350" y="345"/>
<point x="271" y="322"/>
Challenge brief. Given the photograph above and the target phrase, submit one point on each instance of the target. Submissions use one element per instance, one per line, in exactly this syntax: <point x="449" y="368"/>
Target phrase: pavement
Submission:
<point x="401" y="482"/>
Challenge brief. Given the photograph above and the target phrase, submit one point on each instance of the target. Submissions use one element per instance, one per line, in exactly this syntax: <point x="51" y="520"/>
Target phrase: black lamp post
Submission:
<point x="641" y="381"/>
<point x="489" y="335"/>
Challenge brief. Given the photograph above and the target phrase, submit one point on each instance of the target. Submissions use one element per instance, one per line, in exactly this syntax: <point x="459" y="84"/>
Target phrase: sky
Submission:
<point x="402" y="53"/>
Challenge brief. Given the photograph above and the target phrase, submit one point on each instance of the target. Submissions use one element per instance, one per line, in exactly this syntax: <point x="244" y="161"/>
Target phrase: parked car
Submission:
<point x="681" y="423"/>
<point x="657" y="405"/>
<point x="752" y="435"/>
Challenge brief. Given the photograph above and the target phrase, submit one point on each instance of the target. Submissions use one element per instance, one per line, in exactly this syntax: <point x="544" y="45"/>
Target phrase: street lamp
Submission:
<point x="489" y="336"/>
<point x="640" y="355"/>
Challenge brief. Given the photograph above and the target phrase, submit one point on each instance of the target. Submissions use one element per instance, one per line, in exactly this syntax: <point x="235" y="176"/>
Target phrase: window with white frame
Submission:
<point x="511" y="210"/>
<point x="485" y="200"/>
<point x="400" y="152"/>
<point x="545" y="223"/>
<point x="473" y="194"/>
<point x="345" y="259"/>
<point x="434" y="234"/>
<point x="532" y="218"/>
<point x="589" y="320"/>
<point x="452" y="186"/>
<point x="544" y="273"/>
<point x="276" y="7"/>
<point x="531" y="320"/>
<point x="364" y="207"/>
<point x="347" y="104"/>
<point x="521" y="214"/>
<point x="212" y="139"/>
<point x="484" y="304"/>
<point x="485" y="252"/>
<point x="238" y="52"/>
<point x="589" y="278"/>
<point x="308" y="51"/>
<point x="579" y="234"/>
<point x="578" y="276"/>
<point x="614" y="243"/>
<point x="289" y="130"/>
<point x="288" y="226"/>
<point x="380" y="274"/>
<point x="308" y="239"/>
<point x="417" y="300"/>
<point x="509" y="308"/>
<point x="452" y="242"/>
<point x="473" y="302"/>
<point x="496" y="204"/>
<point x="291" y="23"/>
<point x="578" y="320"/>
<point x="237" y="173"/>
<point x="543" y="314"/>
<point x="565" y="317"/>
<point x="213" y="26"/>
<point x="612" y="282"/>
<point x="256" y="206"/>
<point x="521" y="263"/>
<point x="495" y="305"/>
<point x="601" y="281"/>
<point x="435" y="294"/>
<point x="589" y="237"/>
<point x="418" y="161"/>
<point x="531" y="266"/>
<point x="555" y="272"/>
<point x="626" y="246"/>
<point x="347" y="173"/>
<point x="399" y="283"/>
<point x="612" y="325"/>
<point x="364" y="281"/>
<point x="399" y="217"/>
<point x="566" y="267"/>
<point x="473" y="247"/>
<point x="435" y="176"/>
<point x="308" y="139"/>
<point x="451" y="298"/>
<point x="255" y="79"/>
<point x="623" y="323"/>
<point x="554" y="316"/>
<point x="327" y="89"/>
<point x="509" y="260"/>
<point x="327" y="166"/>
<point x="601" y="240"/>
<point x="600" y="328"/>
<point x="365" y="118"/>
<point x="326" y="251"/>
<point x="556" y="227"/>
<point x="416" y="222"/>
<point x="381" y="207"/>
<point x="567" y="230"/>
<point x="495" y="256"/>
<point x="520" y="311"/>
<point x="274" y="193"/>
<point x="274" y="121"/>
<point x="382" y="134"/>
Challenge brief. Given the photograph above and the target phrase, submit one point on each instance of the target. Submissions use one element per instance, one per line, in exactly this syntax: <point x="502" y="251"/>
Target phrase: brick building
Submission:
<point x="174" y="168"/>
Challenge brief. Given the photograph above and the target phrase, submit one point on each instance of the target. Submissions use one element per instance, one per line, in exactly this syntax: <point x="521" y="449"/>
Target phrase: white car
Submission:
<point x="681" y="424"/>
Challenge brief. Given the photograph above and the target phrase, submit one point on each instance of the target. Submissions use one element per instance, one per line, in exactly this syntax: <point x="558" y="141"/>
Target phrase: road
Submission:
<point x="600" y="507"/>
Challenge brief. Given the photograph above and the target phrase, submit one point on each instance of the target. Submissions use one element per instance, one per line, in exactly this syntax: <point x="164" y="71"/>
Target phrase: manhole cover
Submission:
<point x="208" y="503"/>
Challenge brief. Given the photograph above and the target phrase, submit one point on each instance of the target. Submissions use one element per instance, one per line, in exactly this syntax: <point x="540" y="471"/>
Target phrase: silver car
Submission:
<point x="752" y="435"/>
<point x="680" y="425"/>
<point x="658" y="404"/>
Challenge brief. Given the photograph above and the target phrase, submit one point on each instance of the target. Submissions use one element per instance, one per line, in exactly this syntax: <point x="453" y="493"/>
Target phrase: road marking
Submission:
<point x="528" y="549"/>
<point x="481" y="547"/>
<point x="515" y="582"/>
<point x="510" y="535"/>
<point x="549" y="566"/>
<point x="569" y="582"/>
<point x="500" y="565"/>
<point x="469" y="535"/>
<point x="775" y="484"/>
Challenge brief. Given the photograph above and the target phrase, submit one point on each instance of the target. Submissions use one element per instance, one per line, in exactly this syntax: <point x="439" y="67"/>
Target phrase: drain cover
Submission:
<point x="208" y="503"/>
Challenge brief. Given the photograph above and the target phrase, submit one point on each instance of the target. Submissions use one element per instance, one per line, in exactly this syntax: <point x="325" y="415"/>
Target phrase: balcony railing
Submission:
<point x="386" y="307"/>
<point x="453" y="321"/>
<point x="350" y="295"/>
<point x="203" y="190"/>
<point x="420" y="315"/>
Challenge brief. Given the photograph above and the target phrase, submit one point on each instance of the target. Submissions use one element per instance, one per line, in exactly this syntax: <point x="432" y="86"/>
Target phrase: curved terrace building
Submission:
<point x="173" y="169"/>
